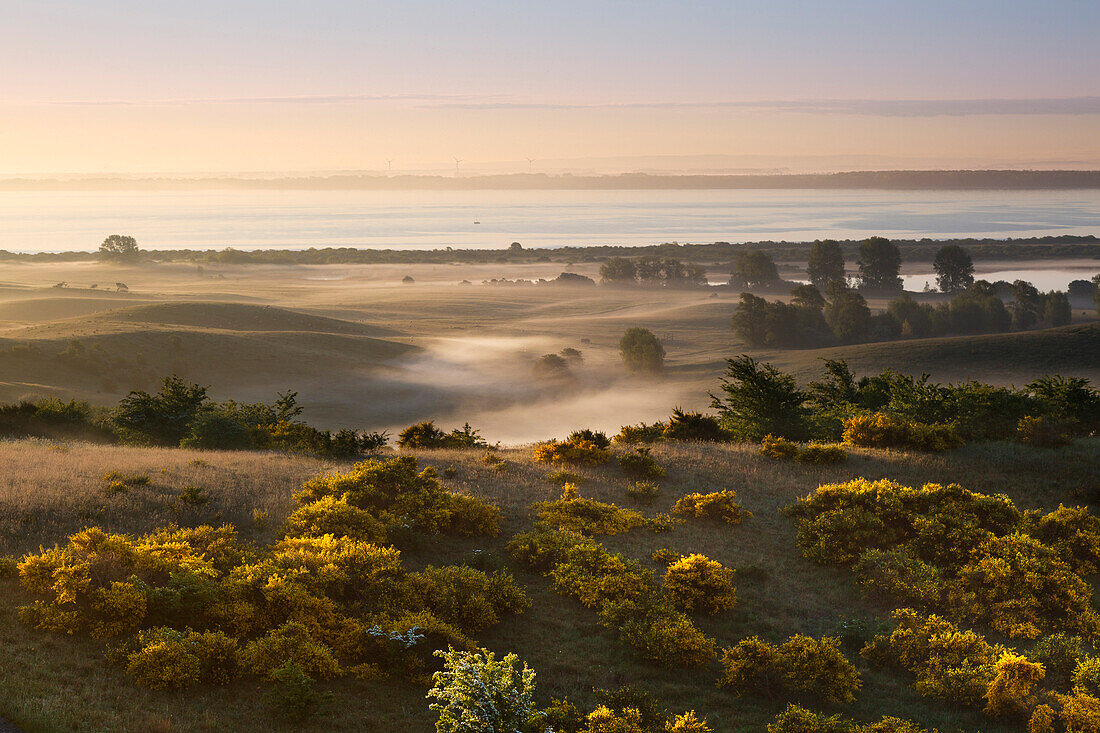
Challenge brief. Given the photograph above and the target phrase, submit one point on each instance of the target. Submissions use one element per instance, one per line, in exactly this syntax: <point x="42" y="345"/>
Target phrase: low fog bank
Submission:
<point x="493" y="383"/>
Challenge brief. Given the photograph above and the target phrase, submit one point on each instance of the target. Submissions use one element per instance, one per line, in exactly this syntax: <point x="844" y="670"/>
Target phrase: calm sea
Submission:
<point x="63" y="220"/>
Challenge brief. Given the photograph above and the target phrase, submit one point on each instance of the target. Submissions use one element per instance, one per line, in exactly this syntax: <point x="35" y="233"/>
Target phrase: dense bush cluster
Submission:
<point x="715" y="505"/>
<point x="895" y="410"/>
<point x="427" y="435"/>
<point x="830" y="312"/>
<point x="575" y="513"/>
<point x="681" y="426"/>
<point x="820" y="454"/>
<point x="972" y="556"/>
<point x="582" y="447"/>
<point x="197" y="605"/>
<point x="627" y="595"/>
<point x="181" y="414"/>
<point x="799" y="664"/>
<point x="797" y="719"/>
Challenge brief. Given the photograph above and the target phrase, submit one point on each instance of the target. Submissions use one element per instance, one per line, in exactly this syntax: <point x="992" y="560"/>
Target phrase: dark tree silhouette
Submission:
<point x="119" y="248"/>
<point x="879" y="264"/>
<point x="825" y="263"/>
<point x="954" y="269"/>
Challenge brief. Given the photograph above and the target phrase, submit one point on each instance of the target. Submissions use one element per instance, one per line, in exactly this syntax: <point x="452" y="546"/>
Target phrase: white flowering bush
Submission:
<point x="477" y="693"/>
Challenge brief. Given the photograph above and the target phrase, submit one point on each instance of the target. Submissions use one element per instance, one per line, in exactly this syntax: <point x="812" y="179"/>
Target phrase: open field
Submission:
<point x="368" y="352"/>
<point x="50" y="682"/>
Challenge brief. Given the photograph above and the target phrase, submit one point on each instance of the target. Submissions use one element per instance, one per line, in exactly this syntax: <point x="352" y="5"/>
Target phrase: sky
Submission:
<point x="128" y="87"/>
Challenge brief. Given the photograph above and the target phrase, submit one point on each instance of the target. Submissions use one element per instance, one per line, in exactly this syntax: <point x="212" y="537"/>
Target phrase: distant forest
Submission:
<point x="897" y="180"/>
<point x="912" y="250"/>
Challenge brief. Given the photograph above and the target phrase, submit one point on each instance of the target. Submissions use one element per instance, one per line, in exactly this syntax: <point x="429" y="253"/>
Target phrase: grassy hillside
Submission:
<point x="998" y="358"/>
<point x="58" y="683"/>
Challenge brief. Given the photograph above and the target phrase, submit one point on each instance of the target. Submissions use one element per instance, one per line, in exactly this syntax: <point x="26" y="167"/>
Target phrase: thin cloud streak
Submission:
<point x="867" y="107"/>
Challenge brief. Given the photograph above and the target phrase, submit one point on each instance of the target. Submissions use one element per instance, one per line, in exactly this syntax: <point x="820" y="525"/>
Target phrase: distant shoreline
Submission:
<point x="899" y="180"/>
<point x="917" y="250"/>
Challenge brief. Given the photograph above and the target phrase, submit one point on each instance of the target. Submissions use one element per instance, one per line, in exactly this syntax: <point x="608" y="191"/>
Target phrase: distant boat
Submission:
<point x="477" y="221"/>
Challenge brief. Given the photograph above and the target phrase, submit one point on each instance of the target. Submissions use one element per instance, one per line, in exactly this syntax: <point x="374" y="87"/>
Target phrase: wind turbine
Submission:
<point x="389" y="165"/>
<point x="530" y="164"/>
<point x="457" y="161"/>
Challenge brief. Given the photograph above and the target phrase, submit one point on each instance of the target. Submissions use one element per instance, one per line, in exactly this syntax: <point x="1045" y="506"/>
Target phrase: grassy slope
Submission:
<point x="999" y="358"/>
<point x="51" y="683"/>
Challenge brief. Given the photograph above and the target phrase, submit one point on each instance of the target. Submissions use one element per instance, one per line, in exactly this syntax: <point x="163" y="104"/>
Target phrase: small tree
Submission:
<point x="879" y="264"/>
<point x="847" y="314"/>
<point x="119" y="248"/>
<point x="825" y="263"/>
<point x="760" y="400"/>
<point x="641" y="351"/>
<point x="476" y="693"/>
<point x="754" y="268"/>
<point x="954" y="268"/>
<point x="164" y="418"/>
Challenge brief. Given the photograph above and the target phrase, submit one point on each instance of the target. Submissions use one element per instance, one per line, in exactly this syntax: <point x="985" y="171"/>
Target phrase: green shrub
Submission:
<point x="293" y="694"/>
<point x="820" y="454"/>
<point x="716" y="505"/>
<point x="780" y="449"/>
<point x="595" y="576"/>
<point x="947" y="663"/>
<point x="640" y="465"/>
<point x="643" y="492"/>
<point x="1043" y="432"/>
<point x="560" y="478"/>
<point x="580" y="451"/>
<point x="467" y="598"/>
<point x="167" y="658"/>
<point x="1059" y="654"/>
<point x="800" y="664"/>
<point x="797" y="719"/>
<point x="291" y="642"/>
<point x="469" y="516"/>
<point x="539" y="551"/>
<point x="697" y="583"/>
<point x="658" y="632"/>
<point x="425" y="435"/>
<point x="585" y="435"/>
<point x="1086" y="676"/>
<point x="882" y="430"/>
<point x="641" y="433"/>
<point x="9" y="567"/>
<point x="334" y="515"/>
<point x="693" y="426"/>
<point x="579" y="514"/>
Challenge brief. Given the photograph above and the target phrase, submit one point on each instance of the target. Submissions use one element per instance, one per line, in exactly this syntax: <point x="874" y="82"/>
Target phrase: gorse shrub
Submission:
<point x="643" y="492"/>
<point x="947" y="663"/>
<point x="716" y="505"/>
<point x="467" y="598"/>
<point x="1086" y="676"/>
<point x="800" y="664"/>
<point x="778" y="448"/>
<point x="400" y="497"/>
<point x="573" y="451"/>
<point x="797" y="719"/>
<point x="640" y="466"/>
<point x="1012" y="691"/>
<point x="883" y="430"/>
<point x="697" y="583"/>
<point x="541" y="550"/>
<point x="1043" y="432"/>
<point x="1059" y="654"/>
<point x="560" y="478"/>
<point x="167" y="658"/>
<point x="658" y="632"/>
<point x="821" y="454"/>
<point x="579" y="514"/>
<point x="944" y="548"/>
<point x="293" y="694"/>
<point x="291" y="642"/>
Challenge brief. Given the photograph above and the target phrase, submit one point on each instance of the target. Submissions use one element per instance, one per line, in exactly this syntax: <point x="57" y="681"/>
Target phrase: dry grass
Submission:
<point x="48" y="491"/>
